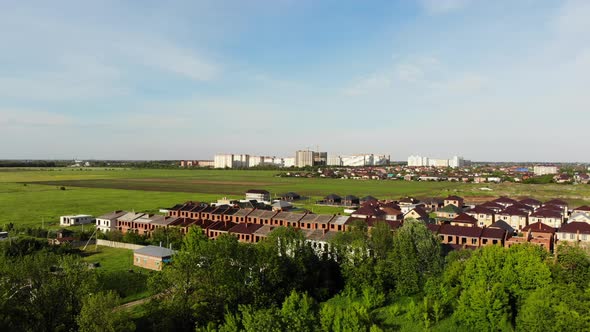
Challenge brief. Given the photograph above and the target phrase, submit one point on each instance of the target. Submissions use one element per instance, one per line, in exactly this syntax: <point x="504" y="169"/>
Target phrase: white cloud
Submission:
<point x="370" y="84"/>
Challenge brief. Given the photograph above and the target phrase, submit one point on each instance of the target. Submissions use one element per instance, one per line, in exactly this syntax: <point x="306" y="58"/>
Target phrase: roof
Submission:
<point x="264" y="230"/>
<point x="504" y="200"/>
<point x="288" y="216"/>
<point x="433" y="227"/>
<point x="393" y="224"/>
<point x="546" y="213"/>
<point x="243" y="212"/>
<point x="557" y="202"/>
<point x="317" y="218"/>
<point x="113" y="215"/>
<point x="332" y="197"/>
<point x="130" y="216"/>
<point x="244" y="228"/>
<point x="262" y="214"/>
<point x="464" y="217"/>
<point x="420" y="211"/>
<point x="154" y="251"/>
<point x="281" y="204"/>
<point x="502" y="225"/>
<point x="163" y="221"/>
<point x="530" y="201"/>
<point x="539" y="227"/>
<point x="369" y="210"/>
<point x="511" y="211"/>
<point x="575" y="227"/>
<point x="583" y="208"/>
<point x="391" y="211"/>
<point x="493" y="233"/>
<point x="350" y="198"/>
<point x="369" y="198"/>
<point x="447" y="229"/>
<point x="257" y="191"/>
<point x="481" y="210"/>
<point x="223" y="226"/>
<point x="291" y="194"/>
<point x="340" y="220"/>
<point x="453" y="198"/>
<point x="450" y="208"/>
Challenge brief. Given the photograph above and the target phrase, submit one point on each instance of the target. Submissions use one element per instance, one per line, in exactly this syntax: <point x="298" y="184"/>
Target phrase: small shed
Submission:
<point x="152" y="257"/>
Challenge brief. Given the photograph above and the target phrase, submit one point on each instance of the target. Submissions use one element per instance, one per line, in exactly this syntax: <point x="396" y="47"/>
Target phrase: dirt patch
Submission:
<point x="237" y="183"/>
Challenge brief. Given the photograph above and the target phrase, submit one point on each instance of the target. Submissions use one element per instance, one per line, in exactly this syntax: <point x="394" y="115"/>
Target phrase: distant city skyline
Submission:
<point x="487" y="80"/>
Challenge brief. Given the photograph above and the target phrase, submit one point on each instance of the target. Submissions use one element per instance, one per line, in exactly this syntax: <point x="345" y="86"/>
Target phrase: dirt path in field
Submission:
<point x="135" y="303"/>
<point x="240" y="183"/>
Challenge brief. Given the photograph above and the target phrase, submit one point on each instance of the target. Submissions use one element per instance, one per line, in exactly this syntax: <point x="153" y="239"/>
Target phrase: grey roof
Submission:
<point x="282" y="204"/>
<point x="130" y="216"/>
<point x="113" y="215"/>
<point x="243" y="212"/>
<point x="289" y="216"/>
<point x="340" y="220"/>
<point x="155" y="251"/>
<point x="164" y="221"/>
<point x="264" y="230"/>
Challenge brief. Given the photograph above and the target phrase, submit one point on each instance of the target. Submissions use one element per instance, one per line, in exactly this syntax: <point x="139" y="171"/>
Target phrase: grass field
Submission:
<point x="30" y="196"/>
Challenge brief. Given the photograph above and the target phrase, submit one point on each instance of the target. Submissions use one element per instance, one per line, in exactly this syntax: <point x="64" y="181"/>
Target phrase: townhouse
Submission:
<point x="575" y="232"/>
<point x="484" y="216"/>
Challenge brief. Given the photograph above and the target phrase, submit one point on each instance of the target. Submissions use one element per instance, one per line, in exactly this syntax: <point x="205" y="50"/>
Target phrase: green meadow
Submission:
<point x="34" y="196"/>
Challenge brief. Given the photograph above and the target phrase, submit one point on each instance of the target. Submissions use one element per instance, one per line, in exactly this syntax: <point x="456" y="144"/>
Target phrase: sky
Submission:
<point x="504" y="80"/>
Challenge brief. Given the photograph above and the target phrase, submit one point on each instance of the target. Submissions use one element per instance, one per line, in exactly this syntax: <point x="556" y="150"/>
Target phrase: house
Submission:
<point x="258" y="195"/>
<point x="108" y="222"/>
<point x="338" y="223"/>
<point x="504" y="201"/>
<point x="263" y="232"/>
<point x="547" y="216"/>
<point x="392" y="213"/>
<point x="218" y="228"/>
<point x="262" y="217"/>
<point x="315" y="221"/>
<point x="290" y="196"/>
<point x="492" y="236"/>
<point x="574" y="232"/>
<point x="558" y="202"/>
<point x="484" y="216"/>
<point x="333" y="199"/>
<point x="152" y="257"/>
<point x="287" y="219"/>
<point x="457" y="235"/>
<point x="241" y="215"/>
<point x="79" y="219"/>
<point x="535" y="204"/>
<point x="447" y="213"/>
<point x="245" y="232"/>
<point x="368" y="198"/>
<point x="369" y="211"/>
<point x="580" y="216"/>
<point x="453" y="200"/>
<point x="516" y="218"/>
<point x="503" y="225"/>
<point x="493" y="206"/>
<point x="125" y="222"/>
<point x="464" y="220"/>
<point x="432" y="204"/>
<point x="582" y="209"/>
<point x="350" y="200"/>
<point x="281" y="205"/>
<point x="535" y="233"/>
<point x="419" y="214"/>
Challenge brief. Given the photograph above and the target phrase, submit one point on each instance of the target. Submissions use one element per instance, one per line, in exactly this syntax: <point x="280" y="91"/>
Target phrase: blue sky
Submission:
<point x="489" y="80"/>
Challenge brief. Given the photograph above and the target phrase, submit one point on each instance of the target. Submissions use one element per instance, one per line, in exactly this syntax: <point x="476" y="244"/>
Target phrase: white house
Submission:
<point x="108" y="222"/>
<point x="258" y="195"/>
<point x="75" y="220"/>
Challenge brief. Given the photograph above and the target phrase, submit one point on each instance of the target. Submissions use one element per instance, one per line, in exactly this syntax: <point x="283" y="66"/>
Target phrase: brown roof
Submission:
<point x="480" y="210"/>
<point x="504" y="200"/>
<point x="369" y="210"/>
<point x="423" y="214"/>
<point x="244" y="228"/>
<point x="539" y="227"/>
<point x="257" y="191"/>
<point x="393" y="224"/>
<point x="289" y="216"/>
<point x="464" y="217"/>
<point x="557" y="202"/>
<point x="575" y="227"/>
<point x="453" y="198"/>
<point x="447" y="229"/>
<point x="583" y="208"/>
<point x="493" y="233"/>
<point x="222" y="226"/>
<point x="546" y="213"/>
<point x="530" y="201"/>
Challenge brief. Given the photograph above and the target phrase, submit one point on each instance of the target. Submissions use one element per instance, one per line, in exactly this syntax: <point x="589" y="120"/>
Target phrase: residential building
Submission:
<point x="79" y="219"/>
<point x="484" y="216"/>
<point x="545" y="170"/>
<point x="454" y="200"/>
<point x="258" y="195"/>
<point x="574" y="232"/>
<point x="152" y="257"/>
<point x="108" y="222"/>
<point x="223" y="161"/>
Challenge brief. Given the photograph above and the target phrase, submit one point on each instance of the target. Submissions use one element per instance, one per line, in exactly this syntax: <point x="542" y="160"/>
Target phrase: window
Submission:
<point x="571" y="236"/>
<point x="584" y="237"/>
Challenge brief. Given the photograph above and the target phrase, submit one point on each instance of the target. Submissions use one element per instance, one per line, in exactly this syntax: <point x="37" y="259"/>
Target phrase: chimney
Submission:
<point x="160" y="243"/>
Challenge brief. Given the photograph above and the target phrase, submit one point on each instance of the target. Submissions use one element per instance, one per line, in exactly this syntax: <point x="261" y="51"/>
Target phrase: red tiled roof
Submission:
<point x="369" y="210"/>
<point x="530" y="201"/>
<point x="505" y="200"/>
<point x="539" y="227"/>
<point x="453" y="198"/>
<point x="245" y="228"/>
<point x="575" y="227"/>
<point x="481" y="210"/>
<point x="464" y="217"/>
<point x="557" y="202"/>
<point x="583" y="208"/>
<point x="447" y="229"/>
<point x="493" y="233"/>
<point x="546" y="213"/>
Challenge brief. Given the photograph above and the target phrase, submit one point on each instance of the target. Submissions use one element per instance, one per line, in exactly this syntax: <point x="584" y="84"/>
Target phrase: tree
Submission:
<point x="555" y="308"/>
<point x="299" y="313"/>
<point x="99" y="314"/>
<point x="573" y="266"/>
<point x="484" y="307"/>
<point x="415" y="256"/>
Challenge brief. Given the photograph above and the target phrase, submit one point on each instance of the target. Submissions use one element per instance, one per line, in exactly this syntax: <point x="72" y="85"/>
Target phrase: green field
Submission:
<point x="33" y="196"/>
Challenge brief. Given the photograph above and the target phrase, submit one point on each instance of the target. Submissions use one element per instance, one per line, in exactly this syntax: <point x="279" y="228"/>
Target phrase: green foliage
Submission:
<point x="555" y="308"/>
<point x="98" y="314"/>
<point x="573" y="266"/>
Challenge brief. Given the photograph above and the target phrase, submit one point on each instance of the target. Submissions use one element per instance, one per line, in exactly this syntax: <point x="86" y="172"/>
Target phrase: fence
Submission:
<point x="122" y="245"/>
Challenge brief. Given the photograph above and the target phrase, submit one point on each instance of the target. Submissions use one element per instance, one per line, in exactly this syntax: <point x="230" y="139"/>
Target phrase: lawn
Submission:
<point x="33" y="196"/>
<point x="117" y="271"/>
